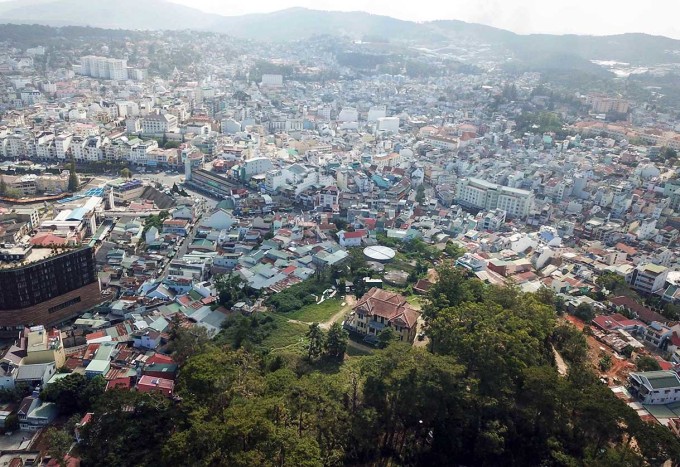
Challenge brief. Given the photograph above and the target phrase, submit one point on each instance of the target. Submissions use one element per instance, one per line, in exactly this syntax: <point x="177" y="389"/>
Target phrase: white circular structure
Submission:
<point x="379" y="253"/>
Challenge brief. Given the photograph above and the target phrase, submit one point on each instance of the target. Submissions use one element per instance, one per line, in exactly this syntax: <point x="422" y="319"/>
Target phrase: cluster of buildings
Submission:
<point x="108" y="68"/>
<point x="285" y="173"/>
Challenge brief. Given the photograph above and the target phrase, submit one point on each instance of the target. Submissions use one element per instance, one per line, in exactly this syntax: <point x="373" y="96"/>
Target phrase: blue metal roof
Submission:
<point x="77" y="214"/>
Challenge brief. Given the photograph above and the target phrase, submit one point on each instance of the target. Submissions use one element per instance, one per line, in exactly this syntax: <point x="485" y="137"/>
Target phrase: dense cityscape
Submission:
<point x="335" y="250"/>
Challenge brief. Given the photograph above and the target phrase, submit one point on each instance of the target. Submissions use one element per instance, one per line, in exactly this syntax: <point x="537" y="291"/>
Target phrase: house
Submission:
<point x="184" y="212"/>
<point x="87" y="418"/>
<point x="161" y="370"/>
<point x="35" y="414"/>
<point x="35" y="375"/>
<point x="655" y="387"/>
<point x="350" y="239"/>
<point x="648" y="278"/>
<point x="44" y="346"/>
<point x="176" y="226"/>
<point x="151" y="235"/>
<point x="645" y="315"/>
<point x="656" y="334"/>
<point x="101" y="362"/>
<point x="422" y="286"/>
<point x="379" y="309"/>
<point x="154" y="384"/>
<point x="617" y="321"/>
<point x="146" y="339"/>
<point x="219" y="220"/>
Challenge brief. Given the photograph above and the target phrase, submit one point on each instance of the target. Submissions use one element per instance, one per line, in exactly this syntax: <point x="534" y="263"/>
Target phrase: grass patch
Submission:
<point x="416" y="301"/>
<point x="400" y="263"/>
<point x="261" y="332"/>
<point x="285" y="334"/>
<point x="315" y="313"/>
<point x="353" y="351"/>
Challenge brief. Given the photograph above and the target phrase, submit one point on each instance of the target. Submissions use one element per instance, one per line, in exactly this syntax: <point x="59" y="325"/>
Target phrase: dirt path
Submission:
<point x="432" y="275"/>
<point x="350" y="301"/>
<point x="562" y="368"/>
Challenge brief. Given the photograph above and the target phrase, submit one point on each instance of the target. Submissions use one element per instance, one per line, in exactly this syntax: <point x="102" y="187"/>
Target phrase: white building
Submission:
<point x="390" y="124"/>
<point x="139" y="152"/>
<point x="655" y="387"/>
<point x="348" y="114"/>
<point x="104" y="68"/>
<point x="479" y="194"/>
<point x="272" y="80"/>
<point x="256" y="165"/>
<point x="156" y="124"/>
<point x="440" y="142"/>
<point x="648" y="278"/>
<point x="376" y="112"/>
<point x="62" y="144"/>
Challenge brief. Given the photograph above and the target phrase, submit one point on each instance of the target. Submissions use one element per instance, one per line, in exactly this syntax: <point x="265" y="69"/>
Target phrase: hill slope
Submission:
<point x="109" y="14"/>
<point x="301" y="23"/>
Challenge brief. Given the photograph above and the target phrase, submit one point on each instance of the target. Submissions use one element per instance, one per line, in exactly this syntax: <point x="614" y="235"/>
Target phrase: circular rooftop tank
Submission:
<point x="382" y="254"/>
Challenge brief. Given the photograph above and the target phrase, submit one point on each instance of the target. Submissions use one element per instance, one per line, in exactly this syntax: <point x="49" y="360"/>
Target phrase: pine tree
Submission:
<point x="336" y="342"/>
<point x="73" y="182"/>
<point x="3" y="186"/>
<point x="316" y="341"/>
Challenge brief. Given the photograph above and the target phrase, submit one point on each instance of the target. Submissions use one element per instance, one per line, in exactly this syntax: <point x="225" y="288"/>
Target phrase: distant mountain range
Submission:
<point x="298" y="23"/>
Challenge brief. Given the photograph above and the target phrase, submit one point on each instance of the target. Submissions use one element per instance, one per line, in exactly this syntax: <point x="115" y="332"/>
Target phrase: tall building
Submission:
<point x="102" y="67"/>
<point x="479" y="194"/>
<point x="272" y="80"/>
<point x="156" y="124"/>
<point x="48" y="290"/>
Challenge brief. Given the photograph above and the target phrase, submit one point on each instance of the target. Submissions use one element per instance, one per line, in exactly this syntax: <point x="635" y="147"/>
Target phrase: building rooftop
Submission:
<point x="658" y="379"/>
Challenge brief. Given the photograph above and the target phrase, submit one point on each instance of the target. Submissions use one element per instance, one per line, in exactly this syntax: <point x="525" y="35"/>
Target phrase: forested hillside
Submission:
<point x="486" y="393"/>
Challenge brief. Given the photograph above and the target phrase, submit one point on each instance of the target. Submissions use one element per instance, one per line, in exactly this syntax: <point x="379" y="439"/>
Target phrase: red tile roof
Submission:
<point x="356" y="234"/>
<point x="73" y="362"/>
<point x="626" y="249"/>
<point x="159" y="358"/>
<point x="369" y="222"/>
<point x="644" y="313"/>
<point x="46" y="239"/>
<point x="665" y="366"/>
<point x="289" y="270"/>
<point x="147" y="383"/>
<point x="388" y="305"/>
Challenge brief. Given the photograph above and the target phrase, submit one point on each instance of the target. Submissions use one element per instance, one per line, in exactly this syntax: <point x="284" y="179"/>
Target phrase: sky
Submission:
<point x="597" y="17"/>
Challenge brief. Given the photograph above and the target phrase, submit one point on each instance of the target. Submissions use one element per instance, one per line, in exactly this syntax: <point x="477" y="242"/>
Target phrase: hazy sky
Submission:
<point x="523" y="16"/>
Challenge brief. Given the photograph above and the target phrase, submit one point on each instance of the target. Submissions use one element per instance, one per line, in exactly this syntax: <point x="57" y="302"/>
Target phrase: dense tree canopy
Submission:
<point x="487" y="392"/>
<point x="74" y="393"/>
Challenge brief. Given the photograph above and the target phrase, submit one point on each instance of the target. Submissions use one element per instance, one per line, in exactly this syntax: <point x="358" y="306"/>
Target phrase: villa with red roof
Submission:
<point x="379" y="309"/>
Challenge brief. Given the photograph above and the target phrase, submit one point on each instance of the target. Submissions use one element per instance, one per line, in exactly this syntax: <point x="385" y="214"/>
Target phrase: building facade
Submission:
<point x="479" y="194"/>
<point x="48" y="291"/>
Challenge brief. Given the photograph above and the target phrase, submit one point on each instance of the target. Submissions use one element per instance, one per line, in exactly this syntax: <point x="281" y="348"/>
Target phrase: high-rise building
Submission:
<point x="479" y="194"/>
<point x="104" y="68"/>
<point x="48" y="290"/>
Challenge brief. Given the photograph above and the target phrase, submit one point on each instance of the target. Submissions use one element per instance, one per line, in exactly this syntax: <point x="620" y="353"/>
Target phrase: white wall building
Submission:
<point x="390" y="124"/>
<point x="479" y="194"/>
<point x="376" y="112"/>
<point x="655" y="387"/>
<point x="104" y="68"/>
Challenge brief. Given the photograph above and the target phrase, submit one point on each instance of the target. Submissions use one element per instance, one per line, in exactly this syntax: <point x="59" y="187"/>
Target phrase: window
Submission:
<point x="63" y="305"/>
